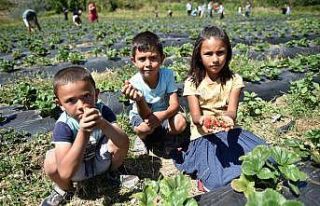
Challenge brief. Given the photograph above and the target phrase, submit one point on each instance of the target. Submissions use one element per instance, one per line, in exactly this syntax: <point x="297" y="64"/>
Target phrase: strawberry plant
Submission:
<point x="252" y="105"/>
<point x="45" y="102"/>
<point x="304" y="95"/>
<point x="100" y="34"/>
<point x="186" y="50"/>
<point x="37" y="48"/>
<point x="166" y="191"/>
<point x="25" y="94"/>
<point x="63" y="54"/>
<point x="4" y="47"/>
<point x="54" y="40"/>
<point x="314" y="137"/>
<point x="270" y="197"/>
<point x="112" y="53"/>
<point x="30" y="60"/>
<point x="108" y="42"/>
<point x="258" y="172"/>
<point x="180" y="69"/>
<point x="16" y="54"/>
<point x="6" y="65"/>
<point x="76" y="57"/>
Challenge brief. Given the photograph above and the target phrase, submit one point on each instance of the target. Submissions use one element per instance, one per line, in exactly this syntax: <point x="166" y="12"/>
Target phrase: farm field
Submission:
<point x="278" y="56"/>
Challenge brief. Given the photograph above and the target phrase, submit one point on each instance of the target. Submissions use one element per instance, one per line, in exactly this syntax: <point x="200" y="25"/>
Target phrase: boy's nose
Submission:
<point x="148" y="62"/>
<point x="81" y="105"/>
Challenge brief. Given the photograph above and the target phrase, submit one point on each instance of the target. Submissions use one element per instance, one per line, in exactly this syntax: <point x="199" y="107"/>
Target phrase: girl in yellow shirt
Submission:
<point x="213" y="93"/>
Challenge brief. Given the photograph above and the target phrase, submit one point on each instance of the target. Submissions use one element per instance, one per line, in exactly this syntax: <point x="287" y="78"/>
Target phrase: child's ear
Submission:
<point x="97" y="94"/>
<point x="133" y="59"/>
<point x="56" y="100"/>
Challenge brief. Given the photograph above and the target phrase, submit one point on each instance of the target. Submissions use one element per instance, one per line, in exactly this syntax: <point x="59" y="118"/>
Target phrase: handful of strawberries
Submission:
<point x="217" y="124"/>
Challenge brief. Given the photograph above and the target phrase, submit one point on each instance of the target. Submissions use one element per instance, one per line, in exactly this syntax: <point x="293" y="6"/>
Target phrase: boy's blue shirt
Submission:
<point x="157" y="98"/>
<point x="66" y="127"/>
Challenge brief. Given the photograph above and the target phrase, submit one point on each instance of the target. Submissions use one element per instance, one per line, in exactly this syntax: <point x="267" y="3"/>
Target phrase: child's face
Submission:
<point x="148" y="63"/>
<point x="213" y="55"/>
<point x="74" y="97"/>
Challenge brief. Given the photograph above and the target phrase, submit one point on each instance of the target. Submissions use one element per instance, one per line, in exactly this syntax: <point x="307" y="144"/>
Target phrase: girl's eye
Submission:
<point x="208" y="53"/>
<point x="220" y="53"/>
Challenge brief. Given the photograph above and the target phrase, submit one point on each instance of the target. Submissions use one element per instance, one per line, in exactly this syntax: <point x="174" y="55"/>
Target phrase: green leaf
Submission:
<point x="265" y="173"/>
<point x="293" y="173"/>
<point x="243" y="185"/>
<point x="165" y="188"/>
<point x="269" y="197"/>
<point x="283" y="156"/>
<point x="190" y="202"/>
<point x="294" y="188"/>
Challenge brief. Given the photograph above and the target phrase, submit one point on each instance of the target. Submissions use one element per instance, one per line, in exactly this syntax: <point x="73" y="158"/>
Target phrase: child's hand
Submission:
<point x="153" y="121"/>
<point x="91" y="118"/>
<point x="205" y="122"/>
<point x="130" y="92"/>
<point x="212" y="124"/>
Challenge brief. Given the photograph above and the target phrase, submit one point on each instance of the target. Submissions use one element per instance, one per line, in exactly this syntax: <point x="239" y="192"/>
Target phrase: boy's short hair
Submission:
<point x="71" y="74"/>
<point x="146" y="41"/>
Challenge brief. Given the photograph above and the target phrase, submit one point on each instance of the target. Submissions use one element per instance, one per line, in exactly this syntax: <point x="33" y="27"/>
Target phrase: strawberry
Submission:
<point x="207" y="122"/>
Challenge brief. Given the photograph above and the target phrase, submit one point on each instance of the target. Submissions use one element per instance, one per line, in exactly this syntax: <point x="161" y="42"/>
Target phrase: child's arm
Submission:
<point x="234" y="98"/>
<point x="156" y="118"/>
<point x="69" y="156"/>
<point x="171" y="110"/>
<point x="114" y="133"/>
<point x="195" y="110"/>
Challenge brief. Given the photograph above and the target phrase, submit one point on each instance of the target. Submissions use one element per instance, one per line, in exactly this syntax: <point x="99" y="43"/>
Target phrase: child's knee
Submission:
<point x="180" y="123"/>
<point x="50" y="165"/>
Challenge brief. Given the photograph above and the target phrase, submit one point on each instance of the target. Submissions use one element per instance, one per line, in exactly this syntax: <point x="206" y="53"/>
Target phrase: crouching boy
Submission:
<point x="87" y="139"/>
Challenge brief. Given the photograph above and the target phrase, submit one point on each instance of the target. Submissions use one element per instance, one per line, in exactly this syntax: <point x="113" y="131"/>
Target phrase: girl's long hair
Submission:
<point x="197" y="71"/>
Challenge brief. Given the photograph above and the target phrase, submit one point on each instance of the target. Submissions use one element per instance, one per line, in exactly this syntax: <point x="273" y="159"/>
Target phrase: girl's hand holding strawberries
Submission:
<point x="213" y="124"/>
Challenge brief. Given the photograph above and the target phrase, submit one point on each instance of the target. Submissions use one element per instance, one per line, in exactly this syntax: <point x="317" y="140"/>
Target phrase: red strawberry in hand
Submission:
<point x="207" y="122"/>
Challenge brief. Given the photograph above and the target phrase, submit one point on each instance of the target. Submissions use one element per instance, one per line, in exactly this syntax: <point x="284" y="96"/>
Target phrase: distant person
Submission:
<point x="30" y="19"/>
<point x="88" y="141"/>
<point x="65" y="13"/>
<point x="221" y="11"/>
<point x="203" y="10"/>
<point x="199" y="10"/>
<point x="76" y="17"/>
<point x="240" y="10"/>
<point x="189" y="8"/>
<point x="248" y="9"/>
<point x="92" y="12"/>
<point x="288" y="12"/>
<point x="210" y="7"/>
<point x="155" y="115"/>
<point x="194" y="12"/>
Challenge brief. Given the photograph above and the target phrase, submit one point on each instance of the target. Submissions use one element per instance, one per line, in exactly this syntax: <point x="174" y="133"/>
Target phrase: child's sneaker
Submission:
<point x="139" y="147"/>
<point x="57" y="197"/>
